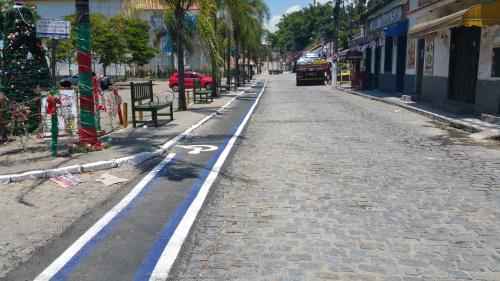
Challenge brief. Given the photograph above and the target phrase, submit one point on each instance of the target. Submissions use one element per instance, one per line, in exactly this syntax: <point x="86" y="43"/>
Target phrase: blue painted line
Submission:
<point x="154" y="254"/>
<point x="85" y="250"/>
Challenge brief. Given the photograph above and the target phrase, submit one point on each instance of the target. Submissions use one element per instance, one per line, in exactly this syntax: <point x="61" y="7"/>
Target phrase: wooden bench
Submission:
<point x="201" y="95"/>
<point x="144" y="92"/>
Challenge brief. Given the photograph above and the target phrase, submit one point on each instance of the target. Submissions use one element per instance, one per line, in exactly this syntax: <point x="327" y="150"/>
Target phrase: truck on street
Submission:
<point x="310" y="68"/>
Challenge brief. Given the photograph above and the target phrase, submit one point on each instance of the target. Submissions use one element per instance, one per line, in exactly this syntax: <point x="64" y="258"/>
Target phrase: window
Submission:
<point x="192" y="75"/>
<point x="388" y="54"/>
<point x="495" y="62"/>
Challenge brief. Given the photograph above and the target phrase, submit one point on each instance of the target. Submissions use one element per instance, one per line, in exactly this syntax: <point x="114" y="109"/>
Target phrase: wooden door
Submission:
<point x="464" y="60"/>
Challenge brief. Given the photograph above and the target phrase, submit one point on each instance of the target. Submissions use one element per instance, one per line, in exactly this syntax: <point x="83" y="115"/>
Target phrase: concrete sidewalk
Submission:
<point x="17" y="164"/>
<point x="468" y="123"/>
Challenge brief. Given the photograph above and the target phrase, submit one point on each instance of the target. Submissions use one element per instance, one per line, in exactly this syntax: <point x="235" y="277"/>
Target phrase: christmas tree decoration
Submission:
<point x="24" y="66"/>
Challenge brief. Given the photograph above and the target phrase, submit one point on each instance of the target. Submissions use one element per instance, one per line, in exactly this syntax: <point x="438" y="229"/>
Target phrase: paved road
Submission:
<point x="135" y="236"/>
<point x="329" y="186"/>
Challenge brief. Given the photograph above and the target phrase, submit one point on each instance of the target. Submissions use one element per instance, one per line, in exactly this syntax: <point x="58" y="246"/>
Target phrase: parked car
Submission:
<point x="206" y="81"/>
<point x="68" y="82"/>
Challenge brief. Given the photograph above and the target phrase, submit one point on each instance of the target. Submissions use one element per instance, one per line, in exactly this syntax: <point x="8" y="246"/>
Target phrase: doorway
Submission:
<point x="377" y="67"/>
<point x="464" y="61"/>
<point x="400" y="64"/>
<point x="420" y="65"/>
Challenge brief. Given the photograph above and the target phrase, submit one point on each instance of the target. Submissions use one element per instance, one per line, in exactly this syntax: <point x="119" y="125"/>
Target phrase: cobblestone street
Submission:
<point x="330" y="186"/>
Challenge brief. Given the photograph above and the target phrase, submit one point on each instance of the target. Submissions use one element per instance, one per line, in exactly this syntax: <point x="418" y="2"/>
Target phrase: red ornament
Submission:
<point x="52" y="101"/>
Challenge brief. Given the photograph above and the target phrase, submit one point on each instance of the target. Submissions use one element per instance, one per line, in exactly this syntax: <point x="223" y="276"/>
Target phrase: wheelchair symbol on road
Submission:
<point x="198" y="148"/>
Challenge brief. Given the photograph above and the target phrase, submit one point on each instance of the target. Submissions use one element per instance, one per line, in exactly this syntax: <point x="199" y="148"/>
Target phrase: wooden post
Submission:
<point x="125" y="115"/>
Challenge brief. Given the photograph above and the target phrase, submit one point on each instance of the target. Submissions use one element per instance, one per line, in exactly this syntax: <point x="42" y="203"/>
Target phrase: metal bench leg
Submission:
<point x="154" y="114"/>
<point x="133" y="118"/>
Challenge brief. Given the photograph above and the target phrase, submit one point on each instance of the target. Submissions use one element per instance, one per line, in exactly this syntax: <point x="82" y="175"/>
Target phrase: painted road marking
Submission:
<point x="173" y="235"/>
<point x="198" y="148"/>
<point x="64" y="264"/>
<point x="59" y="268"/>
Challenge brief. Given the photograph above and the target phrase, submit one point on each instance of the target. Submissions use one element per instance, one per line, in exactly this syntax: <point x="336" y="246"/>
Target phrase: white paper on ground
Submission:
<point x="108" y="179"/>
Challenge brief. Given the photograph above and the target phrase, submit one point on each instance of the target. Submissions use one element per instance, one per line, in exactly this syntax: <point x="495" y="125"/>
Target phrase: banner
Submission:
<point x="67" y="114"/>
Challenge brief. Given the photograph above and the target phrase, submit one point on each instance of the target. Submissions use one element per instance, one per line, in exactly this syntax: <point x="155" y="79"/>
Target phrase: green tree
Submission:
<point x="176" y="11"/>
<point x="108" y="44"/>
<point x="313" y="24"/>
<point x="136" y="34"/>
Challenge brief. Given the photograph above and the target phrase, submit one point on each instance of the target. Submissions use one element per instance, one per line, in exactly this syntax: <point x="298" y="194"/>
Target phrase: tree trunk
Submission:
<point x="87" y="131"/>
<point x="180" y="59"/>
<point x="249" y="68"/>
<point x="69" y="67"/>
<point x="104" y="68"/>
<point x="228" y="57"/>
<point x="243" y="66"/>
<point x="236" y="60"/>
<point x="214" y="62"/>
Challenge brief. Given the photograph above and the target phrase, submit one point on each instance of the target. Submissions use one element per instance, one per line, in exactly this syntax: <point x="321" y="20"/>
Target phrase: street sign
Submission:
<point x="53" y="29"/>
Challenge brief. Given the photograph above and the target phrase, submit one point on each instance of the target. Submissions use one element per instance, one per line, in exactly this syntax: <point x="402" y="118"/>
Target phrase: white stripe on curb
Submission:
<point x="171" y="251"/>
<point x="65" y="257"/>
<point x="119" y="162"/>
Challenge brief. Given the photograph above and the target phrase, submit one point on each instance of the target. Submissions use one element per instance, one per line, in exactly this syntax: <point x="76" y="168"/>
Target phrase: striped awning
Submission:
<point x="479" y="15"/>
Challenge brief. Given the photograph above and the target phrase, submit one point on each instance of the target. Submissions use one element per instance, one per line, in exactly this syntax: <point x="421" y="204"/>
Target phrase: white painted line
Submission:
<point x="67" y="255"/>
<point x="171" y="251"/>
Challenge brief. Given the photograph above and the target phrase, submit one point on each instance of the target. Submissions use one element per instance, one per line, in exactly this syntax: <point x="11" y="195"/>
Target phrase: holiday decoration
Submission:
<point x="52" y="101"/>
<point x="88" y="133"/>
<point x="24" y="66"/>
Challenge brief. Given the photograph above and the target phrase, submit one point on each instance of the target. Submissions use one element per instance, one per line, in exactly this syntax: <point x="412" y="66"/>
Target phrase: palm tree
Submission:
<point x="177" y="9"/>
<point x="243" y="17"/>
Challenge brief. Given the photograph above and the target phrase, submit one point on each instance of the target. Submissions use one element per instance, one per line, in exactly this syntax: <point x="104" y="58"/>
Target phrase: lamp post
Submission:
<point x="336" y="23"/>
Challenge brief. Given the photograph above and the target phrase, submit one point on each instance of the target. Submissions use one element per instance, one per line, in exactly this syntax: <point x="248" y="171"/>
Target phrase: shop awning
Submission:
<point x="479" y="15"/>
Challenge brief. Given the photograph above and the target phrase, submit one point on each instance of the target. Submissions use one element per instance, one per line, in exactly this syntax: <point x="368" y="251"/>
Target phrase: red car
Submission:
<point x="189" y="77"/>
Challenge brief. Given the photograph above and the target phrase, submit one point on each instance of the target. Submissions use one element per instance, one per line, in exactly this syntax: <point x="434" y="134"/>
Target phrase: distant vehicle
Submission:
<point x="310" y="68"/>
<point x="275" y="68"/>
<point x="70" y="81"/>
<point x="207" y="82"/>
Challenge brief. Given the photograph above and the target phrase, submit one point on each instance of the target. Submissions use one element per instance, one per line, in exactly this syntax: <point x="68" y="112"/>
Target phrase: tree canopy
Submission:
<point x="311" y="25"/>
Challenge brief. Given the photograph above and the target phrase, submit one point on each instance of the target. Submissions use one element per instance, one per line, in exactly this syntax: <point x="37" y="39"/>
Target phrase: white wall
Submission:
<point x="441" y="54"/>
<point x="490" y="36"/>
<point x="57" y="9"/>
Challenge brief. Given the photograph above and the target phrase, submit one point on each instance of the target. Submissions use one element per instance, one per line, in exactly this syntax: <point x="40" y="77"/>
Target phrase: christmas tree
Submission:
<point x="24" y="66"/>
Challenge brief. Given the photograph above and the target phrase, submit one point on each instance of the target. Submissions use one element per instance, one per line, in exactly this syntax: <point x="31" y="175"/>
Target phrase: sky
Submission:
<point x="282" y="7"/>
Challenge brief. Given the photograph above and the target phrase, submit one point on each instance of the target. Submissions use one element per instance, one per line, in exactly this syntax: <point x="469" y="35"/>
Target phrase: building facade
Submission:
<point x="453" y="54"/>
<point x="165" y="59"/>
<point x="383" y="46"/>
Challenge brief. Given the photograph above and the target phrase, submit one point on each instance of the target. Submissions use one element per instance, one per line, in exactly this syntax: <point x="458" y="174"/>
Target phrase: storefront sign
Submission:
<point x="429" y="54"/>
<point x="354" y="55"/>
<point x="410" y="57"/>
<point x="386" y="19"/>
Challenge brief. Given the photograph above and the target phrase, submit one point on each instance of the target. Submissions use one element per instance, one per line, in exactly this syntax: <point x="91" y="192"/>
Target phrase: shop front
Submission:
<point x="384" y="46"/>
<point x="453" y="60"/>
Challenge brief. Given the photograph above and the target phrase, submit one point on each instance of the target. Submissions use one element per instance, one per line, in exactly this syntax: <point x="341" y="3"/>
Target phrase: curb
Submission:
<point x="436" y="117"/>
<point x="131" y="160"/>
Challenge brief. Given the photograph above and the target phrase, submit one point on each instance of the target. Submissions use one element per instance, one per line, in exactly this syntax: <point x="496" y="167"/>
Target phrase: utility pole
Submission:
<point x="336" y="25"/>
